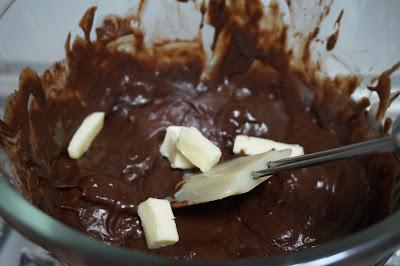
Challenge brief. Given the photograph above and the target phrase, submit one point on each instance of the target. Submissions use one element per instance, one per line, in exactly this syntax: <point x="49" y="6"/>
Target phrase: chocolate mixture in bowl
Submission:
<point x="250" y="81"/>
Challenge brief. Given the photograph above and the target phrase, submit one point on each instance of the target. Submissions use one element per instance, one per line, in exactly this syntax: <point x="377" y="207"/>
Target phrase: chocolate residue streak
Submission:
<point x="332" y="39"/>
<point x="253" y="88"/>
<point x="339" y="18"/>
<point x="387" y="124"/>
<point x="383" y="88"/>
<point x="86" y="22"/>
<point x="309" y="40"/>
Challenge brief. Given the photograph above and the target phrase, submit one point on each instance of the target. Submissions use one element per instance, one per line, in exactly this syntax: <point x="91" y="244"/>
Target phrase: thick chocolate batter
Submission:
<point x="254" y="88"/>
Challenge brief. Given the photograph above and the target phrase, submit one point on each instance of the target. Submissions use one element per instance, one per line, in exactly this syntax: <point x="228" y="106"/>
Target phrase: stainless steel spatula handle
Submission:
<point x="385" y="144"/>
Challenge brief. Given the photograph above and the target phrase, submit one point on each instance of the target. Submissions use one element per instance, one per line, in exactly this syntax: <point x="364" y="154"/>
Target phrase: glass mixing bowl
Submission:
<point x="33" y="34"/>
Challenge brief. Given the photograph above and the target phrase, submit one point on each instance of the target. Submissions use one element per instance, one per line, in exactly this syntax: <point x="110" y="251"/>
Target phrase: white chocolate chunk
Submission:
<point x="179" y="161"/>
<point x="158" y="223"/>
<point x="168" y="149"/>
<point x="253" y="145"/>
<point x="227" y="179"/>
<point x="198" y="149"/>
<point x="86" y="133"/>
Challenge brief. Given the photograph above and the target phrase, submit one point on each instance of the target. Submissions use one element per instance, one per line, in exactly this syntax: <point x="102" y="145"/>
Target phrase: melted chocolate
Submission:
<point x="253" y="90"/>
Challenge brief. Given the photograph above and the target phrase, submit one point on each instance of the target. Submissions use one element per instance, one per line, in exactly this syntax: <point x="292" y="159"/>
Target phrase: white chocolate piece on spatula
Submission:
<point x="226" y="179"/>
<point x="168" y="149"/>
<point x="198" y="149"/>
<point x="86" y="133"/>
<point x="158" y="223"/>
<point x="253" y="145"/>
